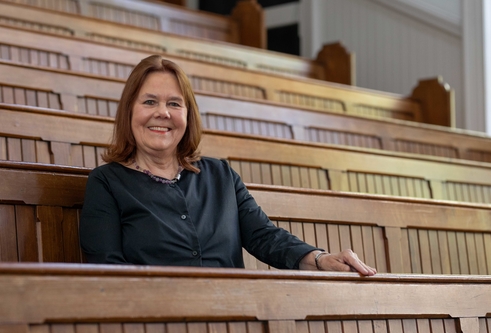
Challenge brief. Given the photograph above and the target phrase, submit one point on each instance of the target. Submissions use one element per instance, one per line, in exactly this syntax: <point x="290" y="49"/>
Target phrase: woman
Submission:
<point x="157" y="202"/>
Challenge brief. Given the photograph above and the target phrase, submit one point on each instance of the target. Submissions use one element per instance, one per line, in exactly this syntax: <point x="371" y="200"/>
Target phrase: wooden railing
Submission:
<point x="67" y="298"/>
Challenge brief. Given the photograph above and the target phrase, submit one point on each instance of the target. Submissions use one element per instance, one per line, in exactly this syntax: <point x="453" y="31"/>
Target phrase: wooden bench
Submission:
<point x="76" y="37"/>
<point x="73" y="90"/>
<point x="89" y="298"/>
<point x="159" y="16"/>
<point x="39" y="209"/>
<point x="57" y="137"/>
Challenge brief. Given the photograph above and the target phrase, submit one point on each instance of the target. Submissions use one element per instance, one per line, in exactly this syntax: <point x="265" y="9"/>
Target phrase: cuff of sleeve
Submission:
<point x="300" y="253"/>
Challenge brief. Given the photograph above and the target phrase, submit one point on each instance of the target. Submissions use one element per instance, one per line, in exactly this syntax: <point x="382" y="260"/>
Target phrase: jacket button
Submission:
<point x="183" y="217"/>
<point x="195" y="253"/>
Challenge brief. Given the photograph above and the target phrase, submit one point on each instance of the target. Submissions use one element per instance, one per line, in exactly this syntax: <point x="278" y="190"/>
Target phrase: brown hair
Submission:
<point x="123" y="145"/>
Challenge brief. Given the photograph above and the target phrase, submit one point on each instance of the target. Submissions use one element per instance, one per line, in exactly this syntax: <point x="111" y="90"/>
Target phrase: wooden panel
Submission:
<point x="379" y="112"/>
<point x="343" y="138"/>
<point x="33" y="56"/>
<point x="448" y="252"/>
<point x="107" y="68"/>
<point x="285" y="175"/>
<point x="68" y="6"/>
<point x="425" y="148"/>
<point x="25" y="24"/>
<point x="51" y="221"/>
<point x="399" y="186"/>
<point x="27" y="242"/>
<point x="477" y="155"/>
<point x="133" y="44"/>
<point x="212" y="58"/>
<point x="227" y="88"/>
<point x="8" y="234"/>
<point x="124" y="16"/>
<point x="311" y="101"/>
<point x="26" y="96"/>
<point x="246" y="126"/>
<point x="478" y="193"/>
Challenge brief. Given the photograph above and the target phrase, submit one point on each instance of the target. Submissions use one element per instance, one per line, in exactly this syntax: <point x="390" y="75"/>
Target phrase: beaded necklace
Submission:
<point x="157" y="178"/>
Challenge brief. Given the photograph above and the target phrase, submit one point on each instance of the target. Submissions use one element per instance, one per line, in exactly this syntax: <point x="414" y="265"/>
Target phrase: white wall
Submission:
<point x="393" y="50"/>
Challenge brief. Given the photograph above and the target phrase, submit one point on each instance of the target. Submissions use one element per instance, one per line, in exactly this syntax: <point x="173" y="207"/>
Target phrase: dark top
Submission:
<point x="202" y="220"/>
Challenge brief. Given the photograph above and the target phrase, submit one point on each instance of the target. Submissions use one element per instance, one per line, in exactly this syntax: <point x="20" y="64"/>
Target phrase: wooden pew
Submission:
<point x="158" y="16"/>
<point x="268" y="119"/>
<point x="39" y="209"/>
<point x="90" y="298"/>
<point x="39" y="135"/>
<point x="74" y="37"/>
<point x="74" y="90"/>
<point x="224" y="114"/>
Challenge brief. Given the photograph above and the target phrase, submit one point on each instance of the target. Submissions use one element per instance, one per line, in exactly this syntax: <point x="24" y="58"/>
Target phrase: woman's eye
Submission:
<point x="174" y="104"/>
<point x="149" y="102"/>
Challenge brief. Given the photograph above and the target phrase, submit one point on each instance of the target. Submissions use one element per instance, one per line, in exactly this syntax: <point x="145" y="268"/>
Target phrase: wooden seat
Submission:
<point x="67" y="298"/>
<point x="83" y="44"/>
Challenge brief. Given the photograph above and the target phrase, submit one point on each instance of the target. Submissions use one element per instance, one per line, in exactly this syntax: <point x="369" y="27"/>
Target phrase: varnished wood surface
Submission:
<point x="399" y="235"/>
<point x="170" y="294"/>
<point x="130" y="45"/>
<point x="38" y="135"/>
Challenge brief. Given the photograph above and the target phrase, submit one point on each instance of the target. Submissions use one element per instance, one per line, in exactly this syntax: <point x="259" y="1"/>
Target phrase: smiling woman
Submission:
<point x="157" y="202"/>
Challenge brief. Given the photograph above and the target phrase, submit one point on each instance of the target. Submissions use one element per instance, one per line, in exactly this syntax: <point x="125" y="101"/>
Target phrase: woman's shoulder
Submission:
<point x="213" y="163"/>
<point x="107" y="169"/>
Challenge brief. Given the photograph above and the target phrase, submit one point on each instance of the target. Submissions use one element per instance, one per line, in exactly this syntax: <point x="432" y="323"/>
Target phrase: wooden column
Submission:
<point x="250" y="18"/>
<point x="437" y="102"/>
<point x="338" y="63"/>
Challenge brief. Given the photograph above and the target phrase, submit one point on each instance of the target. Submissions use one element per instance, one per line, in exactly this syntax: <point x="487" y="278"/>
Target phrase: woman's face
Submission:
<point x="159" y="118"/>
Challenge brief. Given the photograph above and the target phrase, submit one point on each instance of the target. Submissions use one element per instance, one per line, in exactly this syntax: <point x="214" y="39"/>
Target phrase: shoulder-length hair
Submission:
<point x="123" y="144"/>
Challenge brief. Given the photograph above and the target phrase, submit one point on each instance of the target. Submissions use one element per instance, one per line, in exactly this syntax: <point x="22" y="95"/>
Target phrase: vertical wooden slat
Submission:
<point x="395" y="326"/>
<point x="350" y="326"/>
<point x="453" y="252"/>
<point x="321" y="236"/>
<point x="334" y="326"/>
<point x="471" y="253"/>
<point x="379" y="326"/>
<point x="309" y="233"/>
<point x="8" y="236"/>
<point x="480" y="254"/>
<point x="436" y="267"/>
<point x="463" y="255"/>
<point x="176" y="328"/>
<point x="26" y="233"/>
<point x="71" y="243"/>
<point x="423" y="326"/>
<point x="14" y="149"/>
<point x="333" y="234"/>
<point x="345" y="237"/>
<point x="316" y="326"/>
<point x="437" y="326"/>
<point x="62" y="328"/>
<point x="357" y="242"/>
<point x="444" y="251"/>
<point x="368" y="246"/>
<point x="415" y="255"/>
<point x="51" y="219"/>
<point x="28" y="150"/>
<point x="110" y="328"/>
<point x="86" y="328"/>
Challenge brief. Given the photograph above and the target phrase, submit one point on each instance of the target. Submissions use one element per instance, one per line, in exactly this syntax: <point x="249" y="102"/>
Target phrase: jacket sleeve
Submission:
<point x="100" y="225"/>
<point x="261" y="238"/>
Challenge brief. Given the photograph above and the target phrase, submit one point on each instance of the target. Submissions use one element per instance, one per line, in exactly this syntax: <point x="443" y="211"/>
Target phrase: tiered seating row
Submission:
<point x="72" y="298"/>
<point x="39" y="207"/>
<point x="333" y="62"/>
<point x="38" y="135"/>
